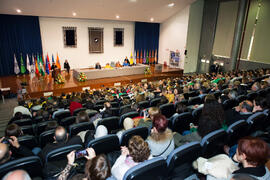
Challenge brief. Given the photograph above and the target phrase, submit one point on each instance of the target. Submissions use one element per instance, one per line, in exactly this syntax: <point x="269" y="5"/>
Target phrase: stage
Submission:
<point x="37" y="87"/>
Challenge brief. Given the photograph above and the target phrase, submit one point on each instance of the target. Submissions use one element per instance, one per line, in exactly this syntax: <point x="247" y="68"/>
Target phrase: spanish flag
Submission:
<point x="138" y="57"/>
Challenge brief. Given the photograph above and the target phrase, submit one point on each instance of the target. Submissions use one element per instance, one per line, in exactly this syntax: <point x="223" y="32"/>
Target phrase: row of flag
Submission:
<point x="145" y="57"/>
<point x="38" y="66"/>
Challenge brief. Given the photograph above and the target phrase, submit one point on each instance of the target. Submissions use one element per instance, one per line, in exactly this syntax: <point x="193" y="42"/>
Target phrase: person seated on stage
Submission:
<point x="126" y="63"/>
<point x="126" y="59"/>
<point x="66" y="66"/>
<point x="98" y="66"/>
<point x="108" y="66"/>
<point x="118" y="64"/>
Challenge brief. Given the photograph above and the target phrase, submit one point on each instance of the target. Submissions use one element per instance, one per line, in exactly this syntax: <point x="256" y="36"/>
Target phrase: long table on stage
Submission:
<point x="115" y="72"/>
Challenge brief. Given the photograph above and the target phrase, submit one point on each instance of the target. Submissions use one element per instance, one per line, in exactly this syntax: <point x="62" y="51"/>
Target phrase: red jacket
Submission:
<point x="73" y="106"/>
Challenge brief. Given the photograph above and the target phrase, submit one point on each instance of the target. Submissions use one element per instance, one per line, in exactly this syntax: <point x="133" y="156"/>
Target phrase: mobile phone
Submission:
<point x="81" y="153"/>
<point x="6" y="140"/>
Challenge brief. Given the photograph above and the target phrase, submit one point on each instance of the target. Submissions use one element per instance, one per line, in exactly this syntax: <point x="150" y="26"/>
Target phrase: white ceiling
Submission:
<point x="128" y="10"/>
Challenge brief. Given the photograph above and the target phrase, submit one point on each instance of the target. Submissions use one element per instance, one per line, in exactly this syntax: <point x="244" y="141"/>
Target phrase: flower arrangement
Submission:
<point x="147" y="71"/>
<point x="60" y="79"/>
<point x="82" y="77"/>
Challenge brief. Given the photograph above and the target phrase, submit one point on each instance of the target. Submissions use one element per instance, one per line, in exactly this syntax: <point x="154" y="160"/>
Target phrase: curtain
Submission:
<point x="147" y="39"/>
<point x="20" y="35"/>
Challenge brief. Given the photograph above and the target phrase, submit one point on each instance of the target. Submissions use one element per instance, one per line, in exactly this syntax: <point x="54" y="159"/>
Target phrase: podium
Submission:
<point x="55" y="72"/>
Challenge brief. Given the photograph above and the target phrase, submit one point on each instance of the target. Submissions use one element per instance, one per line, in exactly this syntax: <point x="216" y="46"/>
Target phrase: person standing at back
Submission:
<point x="66" y="66"/>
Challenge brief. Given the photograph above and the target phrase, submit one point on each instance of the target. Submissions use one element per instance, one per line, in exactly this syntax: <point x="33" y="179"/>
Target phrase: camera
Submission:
<point x="81" y="153"/>
<point x="6" y="140"/>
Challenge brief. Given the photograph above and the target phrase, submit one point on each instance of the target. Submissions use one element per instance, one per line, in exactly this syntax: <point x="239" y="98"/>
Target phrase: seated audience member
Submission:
<point x="107" y="112"/>
<point x="242" y="177"/>
<point x="75" y="104"/>
<point x="17" y="116"/>
<point x="252" y="153"/>
<point x="160" y="141"/>
<point x="18" y="175"/>
<point x="98" y="66"/>
<point x="147" y="120"/>
<point x="62" y="139"/>
<point x="51" y="125"/>
<point x="97" y="166"/>
<point x="170" y="95"/>
<point x="243" y="111"/>
<point x="118" y="64"/>
<point x="128" y="124"/>
<point x="259" y="104"/>
<point x="180" y="108"/>
<point x="205" y="126"/>
<point x="93" y="134"/>
<point x="108" y="66"/>
<point x="125" y="63"/>
<point x="256" y="86"/>
<point x="61" y="108"/>
<point x="232" y="94"/>
<point x="136" y="152"/>
<point x="22" y="109"/>
<point x="13" y="130"/>
<point x="82" y="117"/>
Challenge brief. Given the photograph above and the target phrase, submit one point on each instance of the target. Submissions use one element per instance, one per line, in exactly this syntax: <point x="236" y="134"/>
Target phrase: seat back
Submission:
<point x="28" y="130"/>
<point x="114" y="104"/>
<point x="132" y="114"/>
<point x="40" y="127"/>
<point x="194" y="100"/>
<point x="76" y="128"/>
<point x="92" y="113"/>
<point x="111" y="123"/>
<point x="192" y="94"/>
<point x="62" y="115"/>
<point x="240" y="98"/>
<point x="144" y="104"/>
<point x="28" y="141"/>
<point x="123" y="107"/>
<point x="100" y="102"/>
<point x="257" y="122"/>
<point x="152" y="169"/>
<point x="180" y="160"/>
<point x="196" y="113"/>
<point x="76" y="111"/>
<point x="236" y="131"/>
<point x="97" y="107"/>
<point x="61" y="153"/>
<point x="181" y="122"/>
<point x="154" y="102"/>
<point x="46" y="137"/>
<point x="32" y="165"/>
<point x="23" y="122"/>
<point x="140" y="131"/>
<point x="38" y="119"/>
<point x="105" y="144"/>
<point x="167" y="110"/>
<point x="212" y="144"/>
<point x="252" y="95"/>
<point x="115" y="111"/>
<point x="67" y="121"/>
<point x="217" y="94"/>
<point x="229" y="104"/>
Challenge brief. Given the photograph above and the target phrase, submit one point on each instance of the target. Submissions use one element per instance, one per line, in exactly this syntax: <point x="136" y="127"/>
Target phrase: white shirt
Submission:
<point x="23" y="110"/>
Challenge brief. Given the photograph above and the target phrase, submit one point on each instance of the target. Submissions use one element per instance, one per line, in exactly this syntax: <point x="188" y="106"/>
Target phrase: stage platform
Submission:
<point x="37" y="87"/>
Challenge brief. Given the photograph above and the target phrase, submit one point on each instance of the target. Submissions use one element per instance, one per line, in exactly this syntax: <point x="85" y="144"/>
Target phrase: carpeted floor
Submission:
<point x="6" y="112"/>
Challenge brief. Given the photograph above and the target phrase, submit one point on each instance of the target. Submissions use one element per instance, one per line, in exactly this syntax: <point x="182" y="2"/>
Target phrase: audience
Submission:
<point x="20" y="108"/>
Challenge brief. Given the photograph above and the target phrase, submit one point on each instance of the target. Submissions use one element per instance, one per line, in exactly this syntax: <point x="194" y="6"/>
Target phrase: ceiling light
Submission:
<point x="151" y="19"/>
<point x="18" y="10"/>
<point x="171" y="4"/>
<point x="133" y="0"/>
<point x="117" y="17"/>
<point x="74" y="14"/>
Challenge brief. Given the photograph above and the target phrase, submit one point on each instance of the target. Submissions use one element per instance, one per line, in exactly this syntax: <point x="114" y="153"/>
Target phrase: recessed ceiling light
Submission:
<point x="117" y="17"/>
<point x="151" y="19"/>
<point x="133" y="0"/>
<point x="171" y="4"/>
<point x="74" y="14"/>
<point x="18" y="11"/>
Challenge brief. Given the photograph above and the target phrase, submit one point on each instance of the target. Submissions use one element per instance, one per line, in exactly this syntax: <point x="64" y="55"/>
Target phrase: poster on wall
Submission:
<point x="174" y="58"/>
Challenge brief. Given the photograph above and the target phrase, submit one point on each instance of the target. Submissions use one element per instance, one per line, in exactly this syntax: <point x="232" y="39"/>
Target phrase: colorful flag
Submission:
<point x="156" y="60"/>
<point x="153" y="56"/>
<point x="52" y="59"/>
<point x="36" y="65"/>
<point x="16" y="66"/>
<point x="43" y="62"/>
<point x="134" y="58"/>
<point x="150" y="57"/>
<point x="23" y="70"/>
<point x="138" y="57"/>
<point x="58" y="62"/>
<point x="48" y="60"/>
<point x="28" y="65"/>
<point x="41" y="67"/>
<point x="141" y="58"/>
<point x="147" y="58"/>
<point x="131" y="59"/>
<point x="32" y="68"/>
<point x="144" y="57"/>
<point x="47" y="67"/>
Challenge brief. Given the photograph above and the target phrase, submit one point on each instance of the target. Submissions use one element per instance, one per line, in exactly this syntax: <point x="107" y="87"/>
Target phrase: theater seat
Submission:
<point x="144" y="104"/>
<point x="38" y="119"/>
<point x="28" y="130"/>
<point x="180" y="160"/>
<point x="28" y="141"/>
<point x="129" y="114"/>
<point x="257" y="122"/>
<point x="23" y="122"/>
<point x="40" y="127"/>
<point x="115" y="111"/>
<point x="196" y="113"/>
<point x="217" y="94"/>
<point x="167" y="110"/>
<point x="74" y="129"/>
<point x="100" y="102"/>
<point x="111" y="123"/>
<point x="194" y="100"/>
<point x="229" y="104"/>
<point x="212" y="144"/>
<point x="31" y="164"/>
<point x="67" y="121"/>
<point x="236" y="131"/>
<point x="123" y="107"/>
<point x="241" y="98"/>
<point x="61" y="153"/>
<point x="114" y="104"/>
<point x="105" y="144"/>
<point x="141" y="131"/>
<point x="92" y="113"/>
<point x="154" y="102"/>
<point x="153" y="169"/>
<point x="181" y="122"/>
<point x="46" y="137"/>
<point x="76" y="111"/>
<point x="61" y="115"/>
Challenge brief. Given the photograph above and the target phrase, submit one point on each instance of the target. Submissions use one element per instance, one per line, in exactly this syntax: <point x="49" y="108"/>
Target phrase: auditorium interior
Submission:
<point x="134" y="90"/>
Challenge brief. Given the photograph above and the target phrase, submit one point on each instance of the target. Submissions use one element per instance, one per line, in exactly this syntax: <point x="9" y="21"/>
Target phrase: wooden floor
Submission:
<point x="37" y="87"/>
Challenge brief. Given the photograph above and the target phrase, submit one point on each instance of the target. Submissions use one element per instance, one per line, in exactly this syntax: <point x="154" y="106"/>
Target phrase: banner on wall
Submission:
<point x="174" y="58"/>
